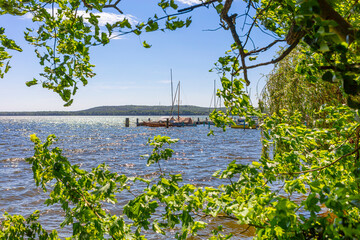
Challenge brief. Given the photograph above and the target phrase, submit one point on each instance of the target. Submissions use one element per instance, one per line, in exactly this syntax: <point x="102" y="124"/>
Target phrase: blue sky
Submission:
<point x="127" y="73"/>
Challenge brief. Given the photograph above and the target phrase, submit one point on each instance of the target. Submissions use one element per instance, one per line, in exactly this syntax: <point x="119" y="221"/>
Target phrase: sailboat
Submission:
<point x="180" y="121"/>
<point x="171" y="121"/>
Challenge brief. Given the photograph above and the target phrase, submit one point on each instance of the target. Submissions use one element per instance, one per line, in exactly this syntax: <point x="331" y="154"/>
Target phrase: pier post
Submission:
<point x="167" y="123"/>
<point x="137" y="122"/>
<point x="127" y="122"/>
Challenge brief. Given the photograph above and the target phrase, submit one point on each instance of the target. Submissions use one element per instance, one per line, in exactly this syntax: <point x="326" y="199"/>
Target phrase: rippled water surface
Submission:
<point x="90" y="141"/>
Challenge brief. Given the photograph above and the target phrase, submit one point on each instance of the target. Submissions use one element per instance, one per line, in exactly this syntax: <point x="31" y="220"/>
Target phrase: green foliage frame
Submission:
<point x="320" y="162"/>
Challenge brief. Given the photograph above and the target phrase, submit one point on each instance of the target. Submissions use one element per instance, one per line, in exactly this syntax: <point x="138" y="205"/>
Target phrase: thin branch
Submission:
<point x="326" y="166"/>
<point x="229" y="20"/>
<point x="348" y="68"/>
<point x="235" y="218"/>
<point x="55" y="37"/>
<point x="254" y="22"/>
<point x="114" y="6"/>
<point x="180" y="12"/>
<point x="253" y="43"/>
<point x="87" y="4"/>
<point x="246" y="15"/>
<point x="357" y="145"/>
<point x="196" y="6"/>
<point x="245" y="230"/>
<point x="273" y="61"/>
<point x="265" y="48"/>
<point x="349" y="11"/>
<point x="273" y="35"/>
<point x="212" y="30"/>
<point x="160" y="169"/>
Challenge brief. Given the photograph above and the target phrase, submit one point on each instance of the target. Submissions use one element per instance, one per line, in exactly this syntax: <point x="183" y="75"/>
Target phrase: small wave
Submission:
<point x="13" y="160"/>
<point x="128" y="165"/>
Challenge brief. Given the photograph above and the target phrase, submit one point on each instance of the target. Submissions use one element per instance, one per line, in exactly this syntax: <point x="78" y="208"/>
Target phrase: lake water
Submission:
<point x="92" y="140"/>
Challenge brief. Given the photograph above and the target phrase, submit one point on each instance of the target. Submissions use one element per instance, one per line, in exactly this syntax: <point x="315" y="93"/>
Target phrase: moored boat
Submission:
<point x="171" y="121"/>
<point x="242" y="124"/>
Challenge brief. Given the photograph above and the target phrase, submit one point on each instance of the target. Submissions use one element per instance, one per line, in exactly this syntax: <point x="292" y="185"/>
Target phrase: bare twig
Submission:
<point x="114" y="6"/>
<point x="196" y="6"/>
<point x="273" y="61"/>
<point x="265" y="48"/>
<point x="254" y="22"/>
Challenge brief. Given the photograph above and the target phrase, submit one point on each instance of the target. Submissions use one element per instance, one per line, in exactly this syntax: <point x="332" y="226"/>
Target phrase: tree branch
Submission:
<point x="87" y="4"/>
<point x="348" y="68"/>
<point x="273" y="61"/>
<point x="254" y="22"/>
<point x="265" y="48"/>
<point x="229" y="21"/>
<point x="188" y="9"/>
<point x="114" y="6"/>
<point x="326" y="166"/>
<point x="344" y="29"/>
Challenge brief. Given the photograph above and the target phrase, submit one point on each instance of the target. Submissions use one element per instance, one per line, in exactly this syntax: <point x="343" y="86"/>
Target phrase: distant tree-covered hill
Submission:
<point x="125" y="110"/>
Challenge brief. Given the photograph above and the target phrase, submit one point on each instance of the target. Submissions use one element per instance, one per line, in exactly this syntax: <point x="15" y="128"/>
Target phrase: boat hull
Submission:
<point x="244" y="126"/>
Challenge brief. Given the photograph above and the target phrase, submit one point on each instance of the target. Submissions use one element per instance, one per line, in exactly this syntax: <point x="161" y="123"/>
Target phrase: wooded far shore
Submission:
<point x="126" y="110"/>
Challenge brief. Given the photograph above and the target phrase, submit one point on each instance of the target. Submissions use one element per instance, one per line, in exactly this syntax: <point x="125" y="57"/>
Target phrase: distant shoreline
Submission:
<point x="125" y="110"/>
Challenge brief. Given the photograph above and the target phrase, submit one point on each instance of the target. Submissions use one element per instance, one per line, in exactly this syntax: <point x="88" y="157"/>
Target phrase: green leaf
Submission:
<point x="324" y="47"/>
<point x="31" y="83"/>
<point x="146" y="45"/>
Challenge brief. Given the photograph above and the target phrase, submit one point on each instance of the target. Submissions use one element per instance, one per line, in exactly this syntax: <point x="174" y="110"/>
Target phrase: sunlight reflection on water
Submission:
<point x="90" y="141"/>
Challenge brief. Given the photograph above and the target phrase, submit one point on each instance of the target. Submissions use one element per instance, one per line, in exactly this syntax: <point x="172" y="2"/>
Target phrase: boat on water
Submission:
<point x="152" y="124"/>
<point x="183" y="122"/>
<point x="242" y="124"/>
<point x="171" y="121"/>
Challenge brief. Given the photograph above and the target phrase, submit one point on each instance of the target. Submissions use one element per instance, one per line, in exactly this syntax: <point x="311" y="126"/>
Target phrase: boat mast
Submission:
<point x="172" y="93"/>
<point x="179" y="102"/>
<point x="215" y="94"/>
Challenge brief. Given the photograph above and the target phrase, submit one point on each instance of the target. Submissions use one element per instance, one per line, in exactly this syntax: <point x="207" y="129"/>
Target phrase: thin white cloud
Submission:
<point x="189" y="2"/>
<point x="164" y="81"/>
<point x="111" y="18"/>
<point x="105" y="17"/>
<point x="106" y="85"/>
<point x="114" y="87"/>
